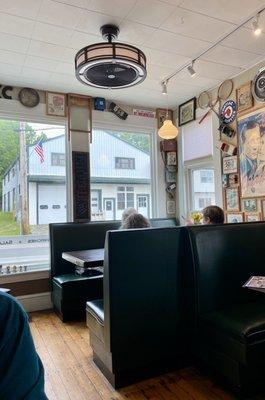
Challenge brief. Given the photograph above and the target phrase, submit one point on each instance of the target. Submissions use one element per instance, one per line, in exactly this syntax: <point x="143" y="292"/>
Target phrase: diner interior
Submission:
<point x="132" y="206"/>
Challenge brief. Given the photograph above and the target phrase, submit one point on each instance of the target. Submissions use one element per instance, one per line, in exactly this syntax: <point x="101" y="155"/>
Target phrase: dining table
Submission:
<point x="92" y="258"/>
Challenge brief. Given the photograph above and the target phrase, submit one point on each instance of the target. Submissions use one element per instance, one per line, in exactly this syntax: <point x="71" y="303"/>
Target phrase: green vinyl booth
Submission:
<point x="69" y="292"/>
<point x="136" y="329"/>
<point x="227" y="321"/>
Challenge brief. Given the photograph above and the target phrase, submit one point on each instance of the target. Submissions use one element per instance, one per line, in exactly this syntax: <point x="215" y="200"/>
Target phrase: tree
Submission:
<point x="9" y="145"/>
<point x="139" y="140"/>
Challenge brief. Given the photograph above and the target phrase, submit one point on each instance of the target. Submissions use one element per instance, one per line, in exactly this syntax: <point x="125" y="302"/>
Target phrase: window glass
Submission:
<point x="202" y="188"/>
<point x="120" y="170"/>
<point x="34" y="193"/>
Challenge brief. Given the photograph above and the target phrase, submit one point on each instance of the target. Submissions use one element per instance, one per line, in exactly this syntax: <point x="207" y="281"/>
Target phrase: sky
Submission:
<point x="50" y="130"/>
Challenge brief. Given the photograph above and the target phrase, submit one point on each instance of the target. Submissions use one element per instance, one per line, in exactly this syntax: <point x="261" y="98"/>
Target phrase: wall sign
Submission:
<point x="81" y="186"/>
<point x="5" y="92"/>
<point x="228" y="112"/>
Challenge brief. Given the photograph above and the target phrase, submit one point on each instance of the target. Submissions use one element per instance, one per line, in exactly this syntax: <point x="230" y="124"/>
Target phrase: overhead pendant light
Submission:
<point x="110" y="65"/>
<point x="255" y="26"/>
<point x="191" y="70"/>
<point x="168" y="130"/>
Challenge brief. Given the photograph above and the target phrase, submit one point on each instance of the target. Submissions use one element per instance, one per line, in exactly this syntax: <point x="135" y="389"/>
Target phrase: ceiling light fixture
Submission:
<point x="255" y="26"/>
<point x="110" y="65"/>
<point x="164" y="87"/>
<point x="191" y="70"/>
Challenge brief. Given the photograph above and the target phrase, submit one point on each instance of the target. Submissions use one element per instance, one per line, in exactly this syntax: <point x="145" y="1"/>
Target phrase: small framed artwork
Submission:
<point x="233" y="180"/>
<point x="234" y="218"/>
<point x="252" y="217"/>
<point x="171" y="207"/>
<point x="171" y="176"/>
<point x="162" y="114"/>
<point x="56" y="104"/>
<point x="250" y="205"/>
<point x="171" y="158"/>
<point x="232" y="199"/>
<point x="225" y="180"/>
<point x="244" y="97"/>
<point x="230" y="165"/>
<point x="187" y="111"/>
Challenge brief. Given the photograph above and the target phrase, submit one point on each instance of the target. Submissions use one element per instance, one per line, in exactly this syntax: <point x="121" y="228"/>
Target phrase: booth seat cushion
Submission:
<point x="237" y="331"/>
<point x="75" y="286"/>
<point x="95" y="317"/>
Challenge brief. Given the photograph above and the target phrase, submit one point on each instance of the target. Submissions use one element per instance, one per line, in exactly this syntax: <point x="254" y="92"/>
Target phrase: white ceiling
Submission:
<point x="39" y="39"/>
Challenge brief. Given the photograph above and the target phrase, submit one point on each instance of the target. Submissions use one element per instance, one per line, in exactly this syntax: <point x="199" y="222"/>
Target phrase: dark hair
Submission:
<point x="135" y="221"/>
<point x="248" y="126"/>
<point x="214" y="213"/>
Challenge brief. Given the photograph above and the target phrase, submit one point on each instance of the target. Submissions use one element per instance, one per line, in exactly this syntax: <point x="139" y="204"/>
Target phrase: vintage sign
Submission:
<point x="228" y="112"/>
<point x="5" y="92"/>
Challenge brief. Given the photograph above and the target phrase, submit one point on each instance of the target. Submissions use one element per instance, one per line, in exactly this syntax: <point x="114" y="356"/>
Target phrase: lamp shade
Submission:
<point x="168" y="130"/>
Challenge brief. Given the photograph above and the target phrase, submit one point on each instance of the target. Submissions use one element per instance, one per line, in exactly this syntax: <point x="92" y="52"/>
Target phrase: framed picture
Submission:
<point x="252" y="217"/>
<point x="251" y="139"/>
<point x="225" y="180"/>
<point x="234" y="218"/>
<point x="171" y="176"/>
<point x="233" y="180"/>
<point x="244" y="97"/>
<point x="232" y="199"/>
<point x="171" y="158"/>
<point x="161" y="114"/>
<point x="171" y="207"/>
<point x="230" y="165"/>
<point x="56" y="104"/>
<point x="250" y="205"/>
<point x="187" y="111"/>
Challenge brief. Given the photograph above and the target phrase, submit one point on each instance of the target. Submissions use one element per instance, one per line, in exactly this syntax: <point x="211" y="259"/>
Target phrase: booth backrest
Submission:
<point x="141" y="291"/>
<point x="70" y="236"/>
<point x="223" y="258"/>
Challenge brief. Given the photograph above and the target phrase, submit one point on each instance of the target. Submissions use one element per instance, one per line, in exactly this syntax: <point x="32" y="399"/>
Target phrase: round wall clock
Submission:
<point x="29" y="97"/>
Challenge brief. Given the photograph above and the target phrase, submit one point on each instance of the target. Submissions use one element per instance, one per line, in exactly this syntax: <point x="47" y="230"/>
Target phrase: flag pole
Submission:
<point x="25" y="230"/>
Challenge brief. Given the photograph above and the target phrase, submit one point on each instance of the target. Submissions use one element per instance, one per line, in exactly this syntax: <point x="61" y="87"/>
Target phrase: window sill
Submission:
<point x="24" y="276"/>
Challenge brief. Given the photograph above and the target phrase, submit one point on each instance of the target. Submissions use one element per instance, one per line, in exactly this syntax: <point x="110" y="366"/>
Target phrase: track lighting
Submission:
<point x="191" y="70"/>
<point x="255" y="26"/>
<point x="164" y="87"/>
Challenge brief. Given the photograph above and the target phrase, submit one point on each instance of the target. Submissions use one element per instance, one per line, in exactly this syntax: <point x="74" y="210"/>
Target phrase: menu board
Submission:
<point x="81" y="186"/>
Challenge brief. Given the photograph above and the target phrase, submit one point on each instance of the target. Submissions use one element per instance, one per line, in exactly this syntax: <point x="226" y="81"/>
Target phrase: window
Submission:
<point x="202" y="193"/>
<point x="120" y="165"/>
<point x="142" y="201"/>
<point x="124" y="163"/>
<point x="45" y="193"/>
<point x="58" y="159"/>
<point x="206" y="176"/>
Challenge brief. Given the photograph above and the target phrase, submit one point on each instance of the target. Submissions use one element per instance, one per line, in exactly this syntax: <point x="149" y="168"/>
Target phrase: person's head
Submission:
<point x="126" y="213"/>
<point x="135" y="221"/>
<point x="251" y="140"/>
<point x="213" y="215"/>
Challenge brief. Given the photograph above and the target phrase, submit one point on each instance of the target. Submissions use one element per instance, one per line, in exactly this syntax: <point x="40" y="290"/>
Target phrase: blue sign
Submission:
<point x="228" y="112"/>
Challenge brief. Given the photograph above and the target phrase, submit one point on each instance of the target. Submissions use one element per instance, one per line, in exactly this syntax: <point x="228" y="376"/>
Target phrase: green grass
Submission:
<point x="8" y="225"/>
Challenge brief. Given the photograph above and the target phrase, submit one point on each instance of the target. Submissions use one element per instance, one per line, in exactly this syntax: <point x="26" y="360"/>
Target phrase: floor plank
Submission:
<point x="70" y="373"/>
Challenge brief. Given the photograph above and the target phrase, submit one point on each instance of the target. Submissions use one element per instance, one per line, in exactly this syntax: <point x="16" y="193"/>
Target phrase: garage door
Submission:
<point x="51" y="203"/>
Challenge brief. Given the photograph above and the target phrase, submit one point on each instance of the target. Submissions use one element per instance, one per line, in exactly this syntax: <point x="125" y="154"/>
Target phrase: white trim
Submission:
<point x="26" y="276"/>
<point x="36" y="302"/>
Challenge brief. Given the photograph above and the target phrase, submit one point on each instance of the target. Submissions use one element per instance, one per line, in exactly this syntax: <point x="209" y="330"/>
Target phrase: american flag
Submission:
<point x="39" y="150"/>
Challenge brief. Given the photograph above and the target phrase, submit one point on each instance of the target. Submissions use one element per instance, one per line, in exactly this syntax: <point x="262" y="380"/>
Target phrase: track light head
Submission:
<point x="164" y="87"/>
<point x="191" y="70"/>
<point x="255" y="26"/>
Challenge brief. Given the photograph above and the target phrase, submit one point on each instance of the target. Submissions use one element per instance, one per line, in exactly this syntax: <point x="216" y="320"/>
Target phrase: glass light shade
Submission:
<point x="168" y="130"/>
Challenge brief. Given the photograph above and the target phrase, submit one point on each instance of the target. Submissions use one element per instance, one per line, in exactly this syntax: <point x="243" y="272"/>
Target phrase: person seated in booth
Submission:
<point x="21" y="370"/>
<point x="212" y="215"/>
<point x="126" y="213"/>
<point x="134" y="221"/>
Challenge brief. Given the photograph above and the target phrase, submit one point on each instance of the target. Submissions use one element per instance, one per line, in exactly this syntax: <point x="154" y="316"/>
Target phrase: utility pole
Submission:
<point x="23" y="179"/>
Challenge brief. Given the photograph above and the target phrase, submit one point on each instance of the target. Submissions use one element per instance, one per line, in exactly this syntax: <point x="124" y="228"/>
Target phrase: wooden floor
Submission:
<point x="72" y="375"/>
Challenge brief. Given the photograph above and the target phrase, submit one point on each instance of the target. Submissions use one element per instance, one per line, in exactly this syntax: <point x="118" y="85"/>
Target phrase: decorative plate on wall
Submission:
<point x="29" y="97"/>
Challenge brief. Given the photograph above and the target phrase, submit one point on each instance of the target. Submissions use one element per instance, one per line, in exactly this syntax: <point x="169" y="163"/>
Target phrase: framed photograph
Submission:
<point x="161" y="114"/>
<point x="232" y="199"/>
<point x="171" y="176"/>
<point x="252" y="217"/>
<point x="171" y="158"/>
<point x="251" y="140"/>
<point x="233" y="180"/>
<point x="187" y="111"/>
<point x="230" y="165"/>
<point x="244" y="97"/>
<point x="225" y="180"/>
<point x="249" y="205"/>
<point x="171" y="207"/>
<point x="234" y="218"/>
<point x="56" y="104"/>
